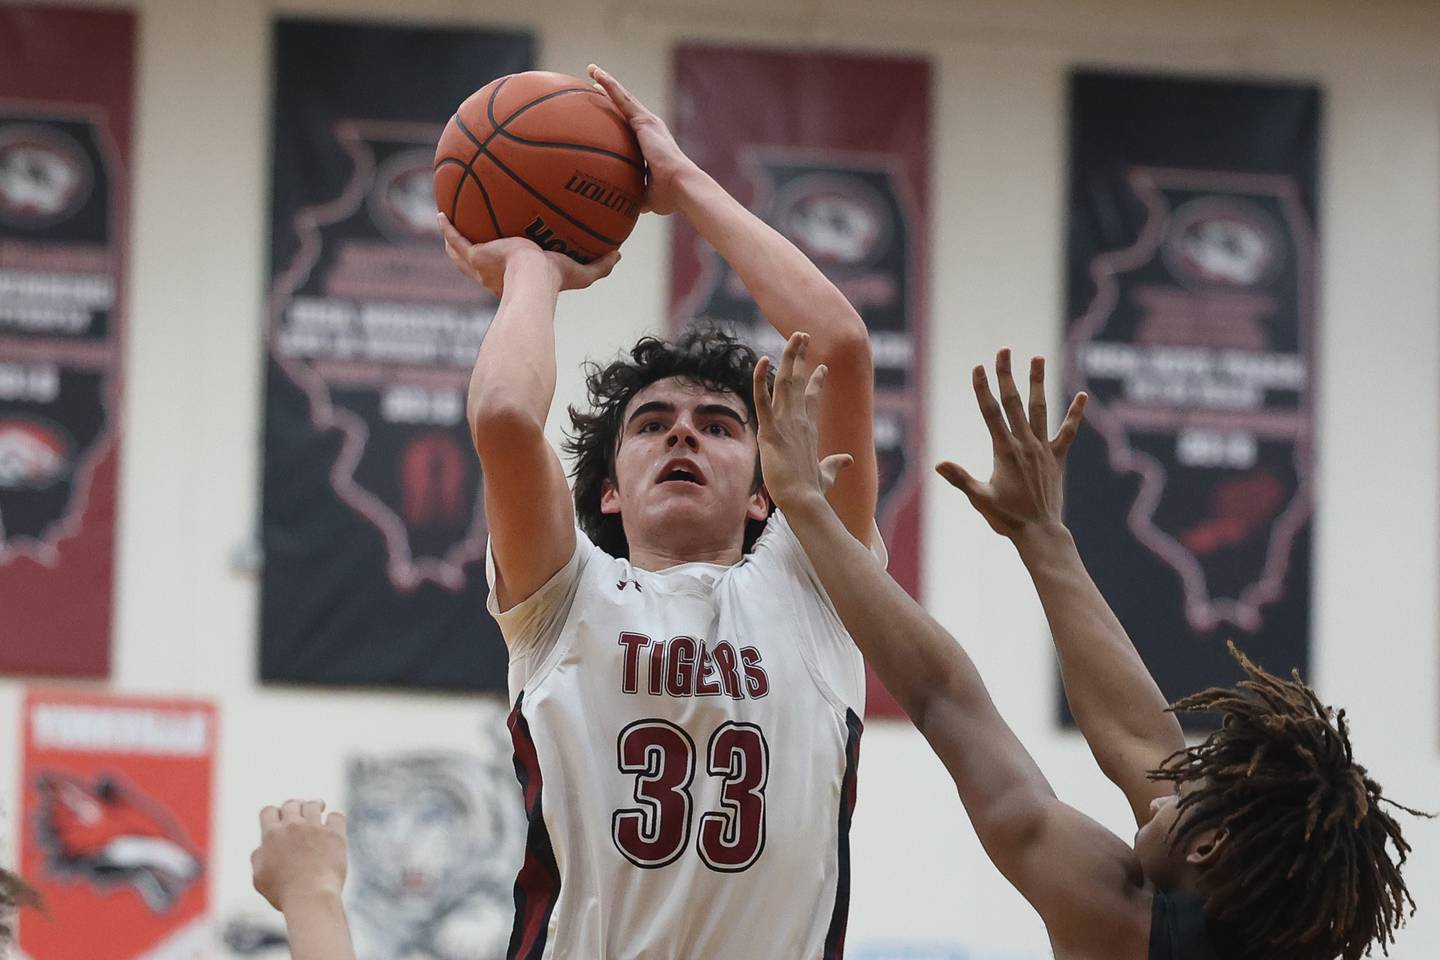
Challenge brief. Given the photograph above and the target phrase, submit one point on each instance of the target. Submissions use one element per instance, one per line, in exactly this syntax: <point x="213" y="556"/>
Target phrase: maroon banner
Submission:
<point x="65" y="105"/>
<point x="833" y="151"/>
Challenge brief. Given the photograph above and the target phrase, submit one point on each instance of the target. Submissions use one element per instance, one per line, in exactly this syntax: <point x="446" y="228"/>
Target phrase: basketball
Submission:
<point x="544" y="156"/>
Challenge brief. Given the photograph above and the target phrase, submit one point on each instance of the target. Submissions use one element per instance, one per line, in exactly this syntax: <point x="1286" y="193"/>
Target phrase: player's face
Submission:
<point x="685" y="468"/>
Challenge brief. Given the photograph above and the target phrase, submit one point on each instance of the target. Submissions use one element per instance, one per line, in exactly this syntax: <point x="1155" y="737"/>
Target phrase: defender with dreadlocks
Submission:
<point x="1265" y="842"/>
<point x="687" y="705"/>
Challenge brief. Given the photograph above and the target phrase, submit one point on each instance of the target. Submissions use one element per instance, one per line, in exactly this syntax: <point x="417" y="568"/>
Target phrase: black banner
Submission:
<point x="1191" y="292"/>
<point x="373" y="526"/>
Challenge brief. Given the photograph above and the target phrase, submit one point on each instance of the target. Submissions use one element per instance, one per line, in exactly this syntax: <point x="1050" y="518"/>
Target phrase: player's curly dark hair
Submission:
<point x="14" y="894"/>
<point x="1305" y="872"/>
<point x="705" y="354"/>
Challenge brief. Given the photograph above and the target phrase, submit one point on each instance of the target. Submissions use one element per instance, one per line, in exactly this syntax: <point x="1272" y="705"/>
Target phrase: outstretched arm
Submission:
<point x="1083" y="880"/>
<point x="790" y="291"/>
<point x="1115" y="701"/>
<point x="299" y="868"/>
<point x="527" y="501"/>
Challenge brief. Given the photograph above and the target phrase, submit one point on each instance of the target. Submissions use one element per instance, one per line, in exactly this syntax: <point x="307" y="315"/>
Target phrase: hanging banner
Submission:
<point x="373" y="525"/>
<point x="64" y="196"/>
<point x="1192" y="326"/>
<point x="115" y="816"/>
<point x="833" y="151"/>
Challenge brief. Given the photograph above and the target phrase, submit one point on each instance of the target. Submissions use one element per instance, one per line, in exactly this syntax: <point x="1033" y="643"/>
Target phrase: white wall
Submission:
<point x="186" y="614"/>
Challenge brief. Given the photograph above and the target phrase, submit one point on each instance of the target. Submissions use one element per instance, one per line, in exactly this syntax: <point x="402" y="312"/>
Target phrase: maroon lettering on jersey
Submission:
<point x="657" y="668"/>
<point x="630" y="670"/>
<point x="733" y="838"/>
<point x="728" y="665"/>
<point x="707" y="683"/>
<point x="757" y="681"/>
<point x="661" y="756"/>
<point x="680" y="663"/>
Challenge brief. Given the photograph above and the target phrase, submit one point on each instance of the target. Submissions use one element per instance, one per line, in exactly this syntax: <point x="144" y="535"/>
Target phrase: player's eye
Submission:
<point x="717" y="429"/>
<point x="650" y="426"/>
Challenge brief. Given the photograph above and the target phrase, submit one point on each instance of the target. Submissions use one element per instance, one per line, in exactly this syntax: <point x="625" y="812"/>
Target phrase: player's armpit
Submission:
<point x="527" y="506"/>
<point x="1083" y="880"/>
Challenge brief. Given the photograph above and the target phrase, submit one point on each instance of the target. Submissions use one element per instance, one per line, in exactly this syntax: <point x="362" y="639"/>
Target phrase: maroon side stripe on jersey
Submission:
<point x="537" y="887"/>
<point x="835" y="939"/>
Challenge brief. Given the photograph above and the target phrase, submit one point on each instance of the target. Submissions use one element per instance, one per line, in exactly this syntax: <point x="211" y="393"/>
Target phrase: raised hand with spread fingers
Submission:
<point x="299" y="868"/>
<point x="786" y="414"/>
<point x="1116" y="703"/>
<point x="1026" y="486"/>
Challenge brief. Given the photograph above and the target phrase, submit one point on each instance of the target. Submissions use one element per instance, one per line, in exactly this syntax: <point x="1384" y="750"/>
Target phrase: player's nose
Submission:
<point x="682" y="432"/>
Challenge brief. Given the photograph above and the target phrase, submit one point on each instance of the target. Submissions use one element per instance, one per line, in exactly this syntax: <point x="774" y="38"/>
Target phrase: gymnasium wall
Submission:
<point x="187" y="587"/>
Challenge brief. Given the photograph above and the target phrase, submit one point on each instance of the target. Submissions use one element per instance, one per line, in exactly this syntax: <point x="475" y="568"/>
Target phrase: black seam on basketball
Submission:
<point x="502" y="124"/>
<point x="484" y="195"/>
<point x="498" y="129"/>
<point x="539" y="196"/>
<point x="455" y="200"/>
<point x="573" y="146"/>
<point x="468" y="171"/>
<point x="479" y="147"/>
<point x="490" y="104"/>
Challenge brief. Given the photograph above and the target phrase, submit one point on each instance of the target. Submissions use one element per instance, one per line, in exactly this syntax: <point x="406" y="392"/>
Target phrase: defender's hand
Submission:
<point x="1027" y="483"/>
<point x="789" y="438"/>
<point x="300" y="855"/>
<point x="488" y="263"/>
<point x="667" y="162"/>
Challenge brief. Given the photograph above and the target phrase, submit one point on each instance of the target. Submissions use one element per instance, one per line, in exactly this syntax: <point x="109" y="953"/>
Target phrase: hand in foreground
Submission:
<point x="667" y="162"/>
<point x="300" y="855"/>
<point x="1026" y="485"/>
<point x="14" y="894"/>
<point x="486" y="263"/>
<point x="789" y="438"/>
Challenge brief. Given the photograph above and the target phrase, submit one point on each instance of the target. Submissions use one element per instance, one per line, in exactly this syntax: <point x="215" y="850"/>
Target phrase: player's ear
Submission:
<point x="609" y="497"/>
<point x="759" y="507"/>
<point x="1204" y="848"/>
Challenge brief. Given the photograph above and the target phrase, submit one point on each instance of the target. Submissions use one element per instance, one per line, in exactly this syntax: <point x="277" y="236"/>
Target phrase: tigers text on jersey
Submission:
<point x="687" y="742"/>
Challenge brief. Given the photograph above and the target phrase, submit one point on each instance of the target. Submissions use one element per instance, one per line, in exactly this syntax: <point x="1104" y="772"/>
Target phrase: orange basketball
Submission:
<point x="545" y="156"/>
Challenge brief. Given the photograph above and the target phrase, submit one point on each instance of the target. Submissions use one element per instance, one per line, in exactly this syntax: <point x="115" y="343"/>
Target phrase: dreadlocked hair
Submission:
<point x="706" y="355"/>
<point x="14" y="894"/>
<point x="1305" y="871"/>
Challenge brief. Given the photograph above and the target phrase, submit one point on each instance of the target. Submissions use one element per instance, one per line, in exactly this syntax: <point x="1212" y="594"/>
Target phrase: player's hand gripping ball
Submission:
<point x="544" y="156"/>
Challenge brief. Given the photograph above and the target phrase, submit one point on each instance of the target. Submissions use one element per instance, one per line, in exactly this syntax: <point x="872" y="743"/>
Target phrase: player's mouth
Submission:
<point x="681" y="471"/>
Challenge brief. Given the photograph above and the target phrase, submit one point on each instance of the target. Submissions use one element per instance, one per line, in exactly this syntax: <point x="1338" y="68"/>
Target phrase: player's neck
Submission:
<point x="657" y="557"/>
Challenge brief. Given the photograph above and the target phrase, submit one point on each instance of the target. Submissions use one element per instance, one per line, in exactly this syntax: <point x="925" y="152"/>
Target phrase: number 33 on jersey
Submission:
<point x="687" y="743"/>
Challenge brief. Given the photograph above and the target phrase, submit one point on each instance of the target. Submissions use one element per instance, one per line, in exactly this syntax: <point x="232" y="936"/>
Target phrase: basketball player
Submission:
<point x="687" y="705"/>
<point x="1265" y="841"/>
<point x="299" y="868"/>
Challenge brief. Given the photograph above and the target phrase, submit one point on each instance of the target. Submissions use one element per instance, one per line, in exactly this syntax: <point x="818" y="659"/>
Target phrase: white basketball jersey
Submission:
<point x="687" y="743"/>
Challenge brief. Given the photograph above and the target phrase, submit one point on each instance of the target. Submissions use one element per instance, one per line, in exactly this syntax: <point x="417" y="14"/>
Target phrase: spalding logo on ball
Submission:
<point x="545" y="156"/>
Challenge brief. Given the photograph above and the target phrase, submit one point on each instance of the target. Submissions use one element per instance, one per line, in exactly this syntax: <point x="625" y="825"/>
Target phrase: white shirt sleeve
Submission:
<point x="533" y="626"/>
<point x="834" y="657"/>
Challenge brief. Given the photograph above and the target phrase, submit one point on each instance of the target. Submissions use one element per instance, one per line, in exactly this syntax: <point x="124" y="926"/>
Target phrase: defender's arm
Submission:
<point x="1116" y="703"/>
<point x="1083" y="880"/>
